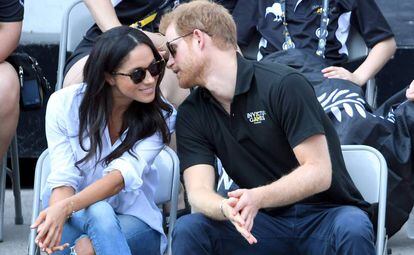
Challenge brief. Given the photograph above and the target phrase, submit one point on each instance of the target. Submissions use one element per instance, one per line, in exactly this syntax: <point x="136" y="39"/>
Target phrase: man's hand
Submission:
<point x="236" y="219"/>
<point x="248" y="205"/>
<point x="409" y="93"/>
<point x="341" y="73"/>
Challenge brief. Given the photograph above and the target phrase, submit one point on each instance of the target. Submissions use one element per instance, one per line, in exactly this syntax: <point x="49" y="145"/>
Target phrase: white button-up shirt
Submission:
<point x="137" y="197"/>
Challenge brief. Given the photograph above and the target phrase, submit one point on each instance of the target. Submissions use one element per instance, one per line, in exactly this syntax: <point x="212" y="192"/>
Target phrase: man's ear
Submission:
<point x="109" y="79"/>
<point x="200" y="37"/>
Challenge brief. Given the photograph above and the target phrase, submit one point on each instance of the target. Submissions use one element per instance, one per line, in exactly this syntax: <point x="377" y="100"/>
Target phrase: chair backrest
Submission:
<point x="163" y="164"/>
<point x="368" y="170"/>
<point x="357" y="48"/>
<point x="167" y="165"/>
<point x="75" y="22"/>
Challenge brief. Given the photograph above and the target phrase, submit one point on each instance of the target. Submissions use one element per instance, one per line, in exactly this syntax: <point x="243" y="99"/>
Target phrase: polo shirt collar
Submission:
<point x="244" y="75"/>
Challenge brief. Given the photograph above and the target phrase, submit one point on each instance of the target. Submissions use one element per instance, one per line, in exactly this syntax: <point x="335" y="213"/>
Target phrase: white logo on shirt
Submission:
<point x="276" y="10"/>
<point x="256" y="117"/>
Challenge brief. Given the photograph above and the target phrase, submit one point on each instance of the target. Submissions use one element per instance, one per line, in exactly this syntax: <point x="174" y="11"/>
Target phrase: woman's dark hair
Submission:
<point x="141" y="119"/>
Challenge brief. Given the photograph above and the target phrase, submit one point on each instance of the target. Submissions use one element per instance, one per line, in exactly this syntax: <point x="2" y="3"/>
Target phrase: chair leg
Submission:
<point x="15" y="177"/>
<point x="3" y="170"/>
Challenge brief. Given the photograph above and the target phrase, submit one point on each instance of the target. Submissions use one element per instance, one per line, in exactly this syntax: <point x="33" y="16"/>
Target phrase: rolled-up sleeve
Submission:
<point x="133" y="164"/>
<point x="62" y="158"/>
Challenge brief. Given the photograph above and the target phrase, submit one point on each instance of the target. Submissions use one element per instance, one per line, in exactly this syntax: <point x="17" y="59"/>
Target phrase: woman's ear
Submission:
<point x="109" y="79"/>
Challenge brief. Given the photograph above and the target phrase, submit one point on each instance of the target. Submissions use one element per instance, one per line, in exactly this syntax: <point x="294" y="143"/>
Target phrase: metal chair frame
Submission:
<point x="14" y="174"/>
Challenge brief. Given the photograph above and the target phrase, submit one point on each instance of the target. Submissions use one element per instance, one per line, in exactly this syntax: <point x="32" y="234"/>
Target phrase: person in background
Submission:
<point x="11" y="16"/>
<point x="103" y="136"/>
<point x="410" y="92"/>
<point x="319" y="30"/>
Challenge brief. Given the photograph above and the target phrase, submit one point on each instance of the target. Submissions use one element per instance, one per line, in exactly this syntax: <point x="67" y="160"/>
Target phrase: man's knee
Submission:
<point x="353" y="225"/>
<point x="190" y="225"/>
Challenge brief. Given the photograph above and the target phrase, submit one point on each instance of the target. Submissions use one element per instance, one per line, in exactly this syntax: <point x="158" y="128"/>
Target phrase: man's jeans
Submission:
<point x="110" y="233"/>
<point x="301" y="229"/>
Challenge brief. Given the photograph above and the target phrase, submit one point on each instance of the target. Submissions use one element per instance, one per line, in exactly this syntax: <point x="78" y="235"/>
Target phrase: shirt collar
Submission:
<point x="243" y="79"/>
<point x="244" y="75"/>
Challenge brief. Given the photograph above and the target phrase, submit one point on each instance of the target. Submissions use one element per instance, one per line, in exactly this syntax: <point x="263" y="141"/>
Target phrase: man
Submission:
<point x="11" y="16"/>
<point x="265" y="124"/>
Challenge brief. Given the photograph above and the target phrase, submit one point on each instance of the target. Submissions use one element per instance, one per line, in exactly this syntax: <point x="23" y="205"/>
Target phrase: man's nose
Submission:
<point x="170" y="62"/>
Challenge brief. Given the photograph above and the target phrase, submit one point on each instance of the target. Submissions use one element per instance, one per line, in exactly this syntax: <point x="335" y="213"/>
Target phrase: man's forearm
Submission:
<point x="301" y="183"/>
<point x="377" y="58"/>
<point x="207" y="203"/>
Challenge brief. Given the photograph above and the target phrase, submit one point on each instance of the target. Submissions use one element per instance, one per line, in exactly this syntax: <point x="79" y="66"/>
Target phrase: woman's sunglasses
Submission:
<point x="138" y="74"/>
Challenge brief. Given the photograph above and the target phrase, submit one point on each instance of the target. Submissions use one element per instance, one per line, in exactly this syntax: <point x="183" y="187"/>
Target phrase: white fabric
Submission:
<point x="137" y="197"/>
<point x="342" y="32"/>
<point x="115" y="2"/>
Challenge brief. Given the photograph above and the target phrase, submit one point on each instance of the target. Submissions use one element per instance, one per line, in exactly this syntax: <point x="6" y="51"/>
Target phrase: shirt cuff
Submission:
<point x="131" y="172"/>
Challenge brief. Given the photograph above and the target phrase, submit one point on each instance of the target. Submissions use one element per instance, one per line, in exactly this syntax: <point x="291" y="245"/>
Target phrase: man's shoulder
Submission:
<point x="272" y="74"/>
<point x="193" y="103"/>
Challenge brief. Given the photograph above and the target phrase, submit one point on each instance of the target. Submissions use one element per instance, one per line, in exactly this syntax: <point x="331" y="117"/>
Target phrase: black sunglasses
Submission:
<point x="172" y="47"/>
<point x="138" y="74"/>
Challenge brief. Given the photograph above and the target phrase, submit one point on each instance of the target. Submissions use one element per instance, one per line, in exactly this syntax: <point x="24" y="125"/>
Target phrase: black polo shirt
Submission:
<point x="273" y="110"/>
<point x="11" y="10"/>
<point x="304" y="19"/>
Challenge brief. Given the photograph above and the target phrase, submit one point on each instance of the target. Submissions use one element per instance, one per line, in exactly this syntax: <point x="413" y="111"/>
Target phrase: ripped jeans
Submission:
<point x="110" y="233"/>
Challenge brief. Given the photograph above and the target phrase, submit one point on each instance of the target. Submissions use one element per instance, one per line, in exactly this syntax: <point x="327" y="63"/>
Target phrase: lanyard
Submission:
<point x="321" y="32"/>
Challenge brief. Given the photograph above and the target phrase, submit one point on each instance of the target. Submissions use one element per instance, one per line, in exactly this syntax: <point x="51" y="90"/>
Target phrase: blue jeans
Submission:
<point x="110" y="233"/>
<point x="301" y="229"/>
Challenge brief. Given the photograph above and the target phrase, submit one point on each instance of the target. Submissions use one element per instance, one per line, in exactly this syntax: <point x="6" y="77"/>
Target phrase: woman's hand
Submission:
<point x="409" y="93"/>
<point x="49" y="226"/>
<point x="341" y="73"/>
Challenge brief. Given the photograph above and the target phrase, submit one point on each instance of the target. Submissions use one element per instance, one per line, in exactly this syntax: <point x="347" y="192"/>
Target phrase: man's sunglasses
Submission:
<point x="138" y="74"/>
<point x="172" y="48"/>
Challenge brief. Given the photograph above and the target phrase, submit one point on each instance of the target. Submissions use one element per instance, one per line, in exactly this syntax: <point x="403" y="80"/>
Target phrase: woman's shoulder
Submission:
<point x="67" y="98"/>
<point x="70" y="92"/>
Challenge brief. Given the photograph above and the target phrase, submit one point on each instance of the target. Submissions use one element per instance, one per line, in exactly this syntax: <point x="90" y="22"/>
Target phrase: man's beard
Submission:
<point x="191" y="74"/>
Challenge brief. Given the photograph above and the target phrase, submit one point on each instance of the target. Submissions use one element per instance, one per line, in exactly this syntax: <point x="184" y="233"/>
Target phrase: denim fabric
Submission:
<point x="111" y="233"/>
<point x="301" y="229"/>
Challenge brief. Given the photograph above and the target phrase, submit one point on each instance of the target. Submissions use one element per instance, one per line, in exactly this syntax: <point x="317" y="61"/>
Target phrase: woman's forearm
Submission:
<point x="109" y="185"/>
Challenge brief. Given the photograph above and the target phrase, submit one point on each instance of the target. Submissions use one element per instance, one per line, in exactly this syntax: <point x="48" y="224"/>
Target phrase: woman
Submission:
<point x="103" y="136"/>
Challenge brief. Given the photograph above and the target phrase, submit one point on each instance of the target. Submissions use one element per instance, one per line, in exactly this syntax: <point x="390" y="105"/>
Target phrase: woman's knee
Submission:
<point x="84" y="247"/>
<point x="9" y="86"/>
<point x="75" y="73"/>
<point x="101" y="216"/>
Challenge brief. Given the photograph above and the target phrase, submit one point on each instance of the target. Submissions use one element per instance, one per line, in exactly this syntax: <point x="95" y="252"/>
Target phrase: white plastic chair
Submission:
<point x="169" y="183"/>
<point x="75" y="22"/>
<point x="368" y="170"/>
